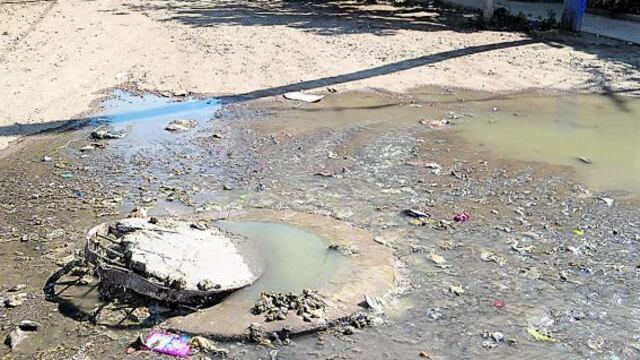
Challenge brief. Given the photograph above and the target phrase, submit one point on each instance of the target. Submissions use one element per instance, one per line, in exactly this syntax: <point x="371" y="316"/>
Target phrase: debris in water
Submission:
<point x="172" y="259"/>
<point x="434" y="124"/>
<point x="437" y="259"/>
<point x="461" y="217"/>
<point x="488" y="256"/>
<point x="203" y="344"/>
<point x="298" y="96"/>
<point x="257" y="334"/>
<point x="608" y="201"/>
<point x="415" y="213"/>
<point x="181" y="125"/>
<point x="539" y="335"/>
<point x="584" y="160"/>
<point x="106" y="134"/>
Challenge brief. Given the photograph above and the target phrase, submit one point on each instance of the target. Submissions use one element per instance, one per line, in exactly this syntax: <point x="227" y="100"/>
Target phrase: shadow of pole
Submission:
<point x="376" y="71"/>
<point x="65" y="125"/>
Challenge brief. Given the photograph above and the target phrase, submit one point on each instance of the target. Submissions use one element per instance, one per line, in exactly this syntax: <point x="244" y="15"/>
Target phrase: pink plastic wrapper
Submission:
<point x="169" y="344"/>
<point x="462" y="217"/>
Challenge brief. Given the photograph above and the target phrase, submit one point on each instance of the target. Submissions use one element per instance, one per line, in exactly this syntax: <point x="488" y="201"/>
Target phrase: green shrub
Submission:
<point x="616" y="6"/>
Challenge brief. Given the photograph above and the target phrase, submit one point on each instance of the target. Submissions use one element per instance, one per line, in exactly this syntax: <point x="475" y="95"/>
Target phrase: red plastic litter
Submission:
<point x="499" y="304"/>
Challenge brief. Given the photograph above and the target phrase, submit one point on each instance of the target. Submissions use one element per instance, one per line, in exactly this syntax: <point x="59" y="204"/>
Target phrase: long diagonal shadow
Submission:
<point x="176" y="108"/>
<point x="376" y="71"/>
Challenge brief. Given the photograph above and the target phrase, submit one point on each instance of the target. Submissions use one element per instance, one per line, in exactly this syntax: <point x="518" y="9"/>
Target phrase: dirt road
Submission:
<point x="56" y="57"/>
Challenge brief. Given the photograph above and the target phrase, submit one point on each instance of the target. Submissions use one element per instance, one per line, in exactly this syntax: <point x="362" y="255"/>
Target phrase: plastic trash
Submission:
<point x="298" y="96"/>
<point x="168" y="344"/>
<point x="461" y="217"/>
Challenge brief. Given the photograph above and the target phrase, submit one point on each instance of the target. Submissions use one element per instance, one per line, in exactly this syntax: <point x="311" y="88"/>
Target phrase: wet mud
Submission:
<point x="543" y="266"/>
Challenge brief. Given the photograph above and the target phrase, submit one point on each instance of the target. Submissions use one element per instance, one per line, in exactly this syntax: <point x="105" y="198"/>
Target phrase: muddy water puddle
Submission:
<point x="594" y="135"/>
<point x="296" y="258"/>
<point x="597" y="136"/>
<point x="544" y="128"/>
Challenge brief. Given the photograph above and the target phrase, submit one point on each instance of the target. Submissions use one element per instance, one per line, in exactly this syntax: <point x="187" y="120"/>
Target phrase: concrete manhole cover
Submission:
<point x="172" y="260"/>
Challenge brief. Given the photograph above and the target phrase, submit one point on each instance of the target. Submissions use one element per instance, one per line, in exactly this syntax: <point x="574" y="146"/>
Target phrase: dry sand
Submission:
<point x="57" y="57"/>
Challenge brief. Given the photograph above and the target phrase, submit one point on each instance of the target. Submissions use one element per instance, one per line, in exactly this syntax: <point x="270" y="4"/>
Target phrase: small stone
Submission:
<point x="103" y="134"/>
<point x="348" y="330"/>
<point x="15" y="337"/>
<point x="380" y="240"/>
<point x="138" y="212"/>
<point x="17" y="288"/>
<point x="47" y="159"/>
<point x="29" y="325"/>
<point x="227" y="187"/>
<point x="15" y="300"/>
<point x="497" y="336"/>
<point x="181" y="125"/>
<point x="488" y="344"/>
<point x="55" y="234"/>
<point x="456" y="290"/>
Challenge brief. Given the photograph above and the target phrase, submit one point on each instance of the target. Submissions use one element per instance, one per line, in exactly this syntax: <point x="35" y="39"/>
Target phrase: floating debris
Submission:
<point x="181" y="125"/>
<point x="298" y="96"/>
<point x="107" y="134"/>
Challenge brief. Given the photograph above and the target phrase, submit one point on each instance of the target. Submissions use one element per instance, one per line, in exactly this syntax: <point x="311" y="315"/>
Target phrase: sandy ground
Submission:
<point x="56" y="57"/>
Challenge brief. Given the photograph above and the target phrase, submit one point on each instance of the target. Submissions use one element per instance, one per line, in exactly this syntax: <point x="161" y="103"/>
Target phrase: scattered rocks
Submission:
<point x="307" y="304"/>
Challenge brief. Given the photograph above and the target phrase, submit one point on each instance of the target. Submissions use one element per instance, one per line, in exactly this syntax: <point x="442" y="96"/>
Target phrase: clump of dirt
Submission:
<point x="276" y="305"/>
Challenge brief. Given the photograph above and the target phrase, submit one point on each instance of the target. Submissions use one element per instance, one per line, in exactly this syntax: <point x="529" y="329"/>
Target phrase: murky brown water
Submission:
<point x="565" y="129"/>
<point x="373" y="135"/>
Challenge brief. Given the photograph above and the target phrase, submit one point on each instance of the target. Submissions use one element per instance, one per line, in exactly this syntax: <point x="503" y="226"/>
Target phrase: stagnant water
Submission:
<point x="598" y="136"/>
<point x="554" y="128"/>
<point x="296" y="258"/>
<point x="595" y="135"/>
